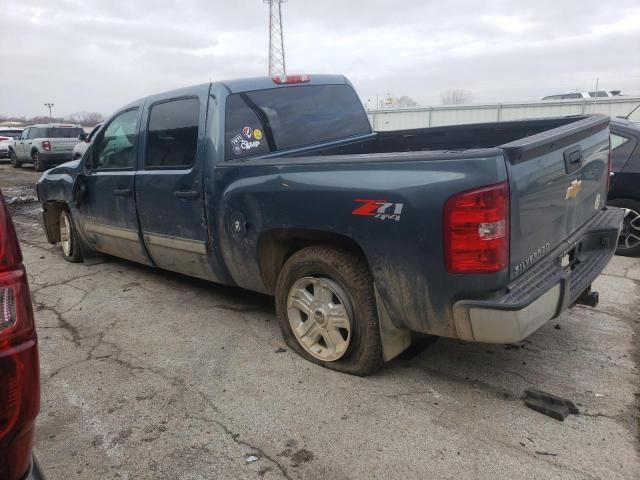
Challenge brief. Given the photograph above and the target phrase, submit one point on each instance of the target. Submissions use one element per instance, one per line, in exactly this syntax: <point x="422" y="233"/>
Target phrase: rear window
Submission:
<point x="10" y="133"/>
<point x="63" y="132"/>
<point x="264" y="121"/>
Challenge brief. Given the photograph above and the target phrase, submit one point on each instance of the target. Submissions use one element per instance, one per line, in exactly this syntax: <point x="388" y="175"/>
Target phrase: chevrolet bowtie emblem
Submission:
<point x="573" y="189"/>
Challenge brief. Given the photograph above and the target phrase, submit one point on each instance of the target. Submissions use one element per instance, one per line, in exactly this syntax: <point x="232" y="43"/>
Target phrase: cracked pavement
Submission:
<point x="151" y="375"/>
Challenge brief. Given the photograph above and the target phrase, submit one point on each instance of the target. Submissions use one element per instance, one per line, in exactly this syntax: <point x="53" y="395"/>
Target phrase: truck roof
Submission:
<point x="239" y="85"/>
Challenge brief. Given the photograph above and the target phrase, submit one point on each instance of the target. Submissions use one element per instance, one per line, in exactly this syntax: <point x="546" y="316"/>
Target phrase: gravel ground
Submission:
<point x="151" y="375"/>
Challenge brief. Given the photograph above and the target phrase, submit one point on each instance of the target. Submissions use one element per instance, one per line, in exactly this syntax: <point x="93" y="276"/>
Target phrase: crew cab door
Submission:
<point x="107" y="210"/>
<point x="169" y="183"/>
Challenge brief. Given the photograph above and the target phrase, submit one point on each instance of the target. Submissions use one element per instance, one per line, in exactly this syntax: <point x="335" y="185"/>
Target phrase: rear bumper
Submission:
<point x="50" y="158"/>
<point x="546" y="289"/>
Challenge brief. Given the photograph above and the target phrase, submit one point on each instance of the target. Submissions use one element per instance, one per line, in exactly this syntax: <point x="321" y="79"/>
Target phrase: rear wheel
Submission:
<point x="629" y="240"/>
<point x="15" y="163"/>
<point x="37" y="162"/>
<point x="69" y="238"/>
<point x="327" y="311"/>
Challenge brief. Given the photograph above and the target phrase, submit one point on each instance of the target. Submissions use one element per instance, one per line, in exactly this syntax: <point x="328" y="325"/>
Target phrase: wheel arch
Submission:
<point x="51" y="219"/>
<point x="277" y="245"/>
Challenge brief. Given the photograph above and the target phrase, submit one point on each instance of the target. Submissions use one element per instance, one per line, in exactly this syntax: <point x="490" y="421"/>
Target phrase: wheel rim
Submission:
<point x="36" y="161"/>
<point x="630" y="235"/>
<point x="14" y="159"/>
<point x="320" y="317"/>
<point x="65" y="233"/>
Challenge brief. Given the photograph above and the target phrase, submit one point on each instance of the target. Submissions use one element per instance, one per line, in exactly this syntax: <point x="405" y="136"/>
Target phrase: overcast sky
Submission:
<point x="96" y="55"/>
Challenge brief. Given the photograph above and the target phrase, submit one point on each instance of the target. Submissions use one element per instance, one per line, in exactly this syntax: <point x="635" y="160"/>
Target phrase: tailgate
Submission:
<point x="558" y="182"/>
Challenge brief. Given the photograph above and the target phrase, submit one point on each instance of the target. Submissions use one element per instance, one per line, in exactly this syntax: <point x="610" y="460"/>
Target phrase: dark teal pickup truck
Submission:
<point x="479" y="232"/>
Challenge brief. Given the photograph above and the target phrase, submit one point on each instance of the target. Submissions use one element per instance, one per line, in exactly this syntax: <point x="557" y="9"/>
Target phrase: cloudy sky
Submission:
<point x="96" y="55"/>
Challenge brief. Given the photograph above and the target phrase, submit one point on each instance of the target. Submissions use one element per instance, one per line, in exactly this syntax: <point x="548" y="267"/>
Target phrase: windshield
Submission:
<point x="634" y="115"/>
<point x="10" y="133"/>
<point x="63" y="132"/>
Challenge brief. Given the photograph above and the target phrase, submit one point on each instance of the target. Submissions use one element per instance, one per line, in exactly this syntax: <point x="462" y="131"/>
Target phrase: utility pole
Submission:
<point x="50" y="106"/>
<point x="276" y="39"/>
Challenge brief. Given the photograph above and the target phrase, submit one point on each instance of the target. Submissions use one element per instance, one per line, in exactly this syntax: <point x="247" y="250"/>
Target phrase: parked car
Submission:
<point x="45" y="145"/>
<point x="625" y="183"/>
<point x="6" y="140"/>
<point x="19" y="364"/>
<point x="478" y="232"/>
<point x="85" y="140"/>
<point x="581" y="95"/>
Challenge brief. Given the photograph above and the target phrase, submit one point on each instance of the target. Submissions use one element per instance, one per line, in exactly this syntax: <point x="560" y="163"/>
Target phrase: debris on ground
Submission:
<point x="280" y="350"/>
<point x="548" y="404"/>
<point x="546" y="453"/>
<point x="251" y="459"/>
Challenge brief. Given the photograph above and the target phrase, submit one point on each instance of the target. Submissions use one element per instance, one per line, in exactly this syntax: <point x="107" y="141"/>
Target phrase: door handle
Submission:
<point x="122" y="192"/>
<point x="190" y="194"/>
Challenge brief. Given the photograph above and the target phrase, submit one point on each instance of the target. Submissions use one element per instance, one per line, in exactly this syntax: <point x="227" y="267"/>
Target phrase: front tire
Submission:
<point x="15" y="163"/>
<point x="69" y="238"/>
<point x="38" y="165"/>
<point x="629" y="240"/>
<point x="327" y="312"/>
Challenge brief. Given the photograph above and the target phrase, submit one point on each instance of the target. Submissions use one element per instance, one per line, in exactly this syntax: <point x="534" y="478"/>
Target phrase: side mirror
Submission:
<point x="83" y="137"/>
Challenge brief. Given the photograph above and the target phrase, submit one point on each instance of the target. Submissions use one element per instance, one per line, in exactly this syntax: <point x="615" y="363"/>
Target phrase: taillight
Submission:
<point x="19" y="366"/>
<point x="3" y="138"/>
<point x="46" y="145"/>
<point x="281" y="79"/>
<point x="476" y="230"/>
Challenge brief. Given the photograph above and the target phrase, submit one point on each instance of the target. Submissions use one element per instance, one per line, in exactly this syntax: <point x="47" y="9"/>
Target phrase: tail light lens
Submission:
<point x="282" y="79"/>
<point x="476" y="230"/>
<point x="46" y="145"/>
<point x="19" y="366"/>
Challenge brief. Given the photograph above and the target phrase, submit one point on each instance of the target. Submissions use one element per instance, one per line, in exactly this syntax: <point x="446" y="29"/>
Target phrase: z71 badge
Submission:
<point x="380" y="209"/>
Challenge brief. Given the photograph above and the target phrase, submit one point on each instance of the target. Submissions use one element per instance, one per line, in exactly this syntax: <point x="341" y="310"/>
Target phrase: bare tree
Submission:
<point x="455" y="96"/>
<point x="87" y="119"/>
<point x="405" y="101"/>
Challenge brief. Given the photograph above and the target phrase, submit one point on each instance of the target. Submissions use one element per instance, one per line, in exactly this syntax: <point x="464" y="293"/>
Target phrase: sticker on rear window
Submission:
<point x="241" y="142"/>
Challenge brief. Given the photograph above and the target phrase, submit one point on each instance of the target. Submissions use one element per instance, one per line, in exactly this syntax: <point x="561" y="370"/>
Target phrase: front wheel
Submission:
<point x="15" y="163"/>
<point x="326" y="309"/>
<point x="38" y="165"/>
<point x="69" y="239"/>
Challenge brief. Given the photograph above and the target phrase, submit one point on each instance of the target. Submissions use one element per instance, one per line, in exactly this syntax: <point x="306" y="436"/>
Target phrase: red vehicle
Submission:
<point x="19" y="365"/>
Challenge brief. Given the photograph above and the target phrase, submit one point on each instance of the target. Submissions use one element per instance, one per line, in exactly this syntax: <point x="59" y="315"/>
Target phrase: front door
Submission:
<point x="107" y="210"/>
<point x="169" y="188"/>
<point x="19" y="144"/>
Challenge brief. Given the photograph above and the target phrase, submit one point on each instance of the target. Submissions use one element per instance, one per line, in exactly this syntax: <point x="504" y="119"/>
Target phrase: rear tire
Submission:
<point x="335" y="289"/>
<point x="38" y="166"/>
<point x="15" y="163"/>
<point x="69" y="243"/>
<point x="629" y="241"/>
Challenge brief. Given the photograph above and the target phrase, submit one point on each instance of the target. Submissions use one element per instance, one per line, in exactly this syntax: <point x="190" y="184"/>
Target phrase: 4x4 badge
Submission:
<point x="380" y="209"/>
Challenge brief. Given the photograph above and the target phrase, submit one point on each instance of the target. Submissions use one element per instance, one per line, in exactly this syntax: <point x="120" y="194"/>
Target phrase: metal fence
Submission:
<point x="399" y="119"/>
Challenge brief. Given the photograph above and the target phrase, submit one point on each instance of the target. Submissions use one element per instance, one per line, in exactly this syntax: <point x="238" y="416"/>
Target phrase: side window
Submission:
<point x="25" y="132"/>
<point x="617" y="141"/>
<point x="621" y="148"/>
<point x="33" y="133"/>
<point x="115" y="147"/>
<point x="172" y="135"/>
<point x="244" y="132"/>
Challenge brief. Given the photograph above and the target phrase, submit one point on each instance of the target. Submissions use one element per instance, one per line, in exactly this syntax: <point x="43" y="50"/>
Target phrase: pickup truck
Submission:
<point x="278" y="185"/>
<point x="44" y="145"/>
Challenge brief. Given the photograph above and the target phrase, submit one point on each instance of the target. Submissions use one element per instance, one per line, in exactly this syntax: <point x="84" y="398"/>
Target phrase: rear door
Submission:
<point x="63" y="138"/>
<point x="169" y="184"/>
<point x="558" y="182"/>
<point x="107" y="211"/>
